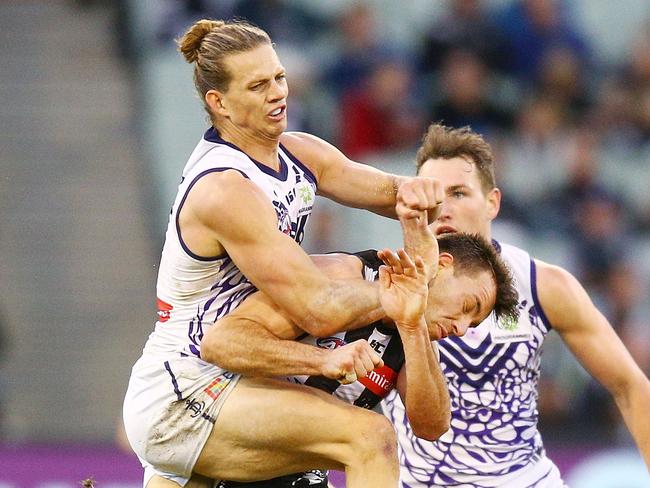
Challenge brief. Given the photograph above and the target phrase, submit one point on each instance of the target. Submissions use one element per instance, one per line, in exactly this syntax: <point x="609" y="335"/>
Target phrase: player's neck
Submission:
<point x="485" y="232"/>
<point x="258" y="147"/>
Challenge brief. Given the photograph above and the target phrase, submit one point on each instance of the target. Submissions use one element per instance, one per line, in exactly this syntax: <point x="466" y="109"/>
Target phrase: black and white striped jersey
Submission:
<point x="369" y="391"/>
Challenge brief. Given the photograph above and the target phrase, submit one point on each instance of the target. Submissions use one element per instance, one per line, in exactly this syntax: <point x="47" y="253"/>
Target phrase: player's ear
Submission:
<point x="494" y="202"/>
<point x="445" y="260"/>
<point x="214" y="99"/>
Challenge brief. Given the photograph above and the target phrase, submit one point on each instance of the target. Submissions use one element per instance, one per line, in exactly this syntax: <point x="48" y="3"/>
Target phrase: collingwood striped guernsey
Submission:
<point x="492" y="374"/>
<point x="369" y="391"/>
<point x="194" y="291"/>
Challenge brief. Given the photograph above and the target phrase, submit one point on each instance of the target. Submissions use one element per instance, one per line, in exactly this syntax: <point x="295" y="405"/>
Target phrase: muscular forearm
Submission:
<point x="343" y="305"/>
<point x="386" y="195"/>
<point x="253" y="348"/>
<point x="361" y="186"/>
<point x="248" y="348"/>
<point x="427" y="397"/>
<point x="634" y="408"/>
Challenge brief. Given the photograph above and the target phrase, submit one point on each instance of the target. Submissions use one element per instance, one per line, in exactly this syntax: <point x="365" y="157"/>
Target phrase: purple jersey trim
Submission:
<point x="180" y="206"/>
<point x="533" y="288"/>
<point x="496" y="245"/>
<point x="174" y="382"/>
<point x="232" y="279"/>
<point x="308" y="174"/>
<point x="211" y="135"/>
<point x="196" y="333"/>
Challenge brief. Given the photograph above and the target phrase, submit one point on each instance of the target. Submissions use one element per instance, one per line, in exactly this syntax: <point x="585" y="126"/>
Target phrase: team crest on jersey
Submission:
<point x="330" y="342"/>
<point x="284" y="222"/>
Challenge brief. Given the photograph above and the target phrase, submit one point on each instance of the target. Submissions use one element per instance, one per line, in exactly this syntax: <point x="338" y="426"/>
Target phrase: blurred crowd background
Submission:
<point x="99" y="116"/>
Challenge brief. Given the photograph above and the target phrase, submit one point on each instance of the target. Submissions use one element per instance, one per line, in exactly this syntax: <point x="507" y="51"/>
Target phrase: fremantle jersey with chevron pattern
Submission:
<point x="194" y="291"/>
<point x="492" y="373"/>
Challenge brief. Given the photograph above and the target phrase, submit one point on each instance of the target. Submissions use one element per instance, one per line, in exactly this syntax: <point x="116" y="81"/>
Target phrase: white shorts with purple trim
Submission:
<point x="170" y="407"/>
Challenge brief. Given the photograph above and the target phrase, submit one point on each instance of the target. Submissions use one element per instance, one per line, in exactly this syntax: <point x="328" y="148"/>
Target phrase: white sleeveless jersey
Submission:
<point x="492" y="373"/>
<point x="194" y="291"/>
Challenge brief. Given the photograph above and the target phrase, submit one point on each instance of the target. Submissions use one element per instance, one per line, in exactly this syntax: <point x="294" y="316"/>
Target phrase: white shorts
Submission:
<point x="170" y="407"/>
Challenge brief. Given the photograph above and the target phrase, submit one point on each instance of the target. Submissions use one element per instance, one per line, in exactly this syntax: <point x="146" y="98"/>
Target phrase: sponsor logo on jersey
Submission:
<point x="377" y="346"/>
<point x="164" y="310"/>
<point x="511" y="330"/>
<point x="217" y="386"/>
<point x="306" y="193"/>
<point x="305" y="211"/>
<point x="507" y="323"/>
<point x="380" y="380"/>
<point x="511" y="323"/>
<point x="330" y="342"/>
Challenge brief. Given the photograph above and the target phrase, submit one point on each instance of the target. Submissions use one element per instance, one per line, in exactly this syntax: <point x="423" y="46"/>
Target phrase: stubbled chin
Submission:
<point x="275" y="131"/>
<point x="280" y="126"/>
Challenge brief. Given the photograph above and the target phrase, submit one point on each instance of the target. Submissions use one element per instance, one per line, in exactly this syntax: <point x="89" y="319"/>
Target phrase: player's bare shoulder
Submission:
<point x="561" y="295"/>
<point x="310" y="150"/>
<point x="223" y="193"/>
<point x="302" y="144"/>
<point x="554" y="280"/>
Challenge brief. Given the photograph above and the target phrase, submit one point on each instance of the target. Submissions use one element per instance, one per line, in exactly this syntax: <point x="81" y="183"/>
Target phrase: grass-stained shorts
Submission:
<point x="170" y="407"/>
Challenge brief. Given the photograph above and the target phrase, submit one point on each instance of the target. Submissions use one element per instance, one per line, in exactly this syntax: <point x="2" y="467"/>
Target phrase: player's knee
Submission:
<point x="376" y="438"/>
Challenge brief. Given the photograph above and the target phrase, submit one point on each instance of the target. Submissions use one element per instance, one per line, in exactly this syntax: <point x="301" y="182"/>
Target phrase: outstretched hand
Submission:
<point x="402" y="287"/>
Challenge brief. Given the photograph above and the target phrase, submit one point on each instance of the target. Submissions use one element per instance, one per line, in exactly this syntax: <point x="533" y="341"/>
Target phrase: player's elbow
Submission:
<point x="319" y="325"/>
<point x="214" y="350"/>
<point x="336" y="305"/>
<point x="325" y="318"/>
<point x="431" y="429"/>
<point x="318" y="320"/>
<point x="208" y="352"/>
